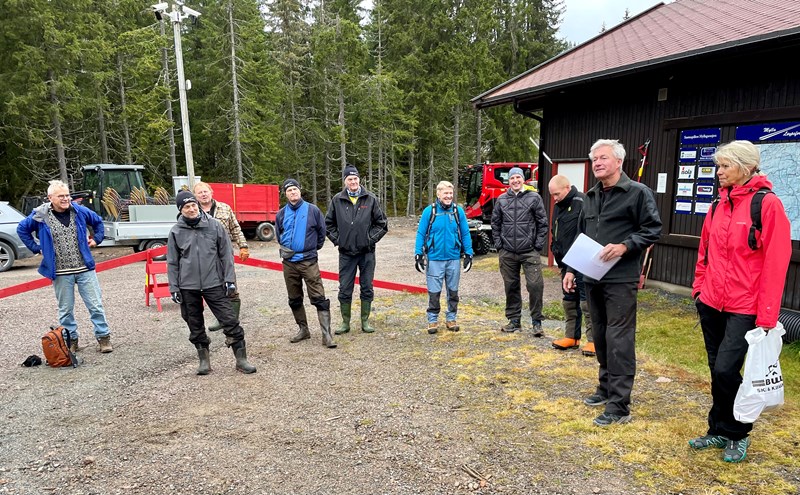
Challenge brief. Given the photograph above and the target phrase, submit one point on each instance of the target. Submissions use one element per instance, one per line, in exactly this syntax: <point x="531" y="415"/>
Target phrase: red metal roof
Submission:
<point x="665" y="32"/>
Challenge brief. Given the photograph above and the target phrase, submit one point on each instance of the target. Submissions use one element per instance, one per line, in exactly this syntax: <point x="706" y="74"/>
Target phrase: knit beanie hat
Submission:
<point x="289" y="183"/>
<point x="515" y="171"/>
<point x="183" y="197"/>
<point x="348" y="171"/>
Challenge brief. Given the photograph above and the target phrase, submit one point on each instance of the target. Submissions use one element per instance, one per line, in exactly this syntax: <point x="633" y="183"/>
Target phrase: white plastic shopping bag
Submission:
<point x="762" y="386"/>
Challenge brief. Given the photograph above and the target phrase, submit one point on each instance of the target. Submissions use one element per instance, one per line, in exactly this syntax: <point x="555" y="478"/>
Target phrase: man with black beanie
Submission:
<point x="300" y="229"/>
<point x="200" y="267"/>
<point x="355" y="223"/>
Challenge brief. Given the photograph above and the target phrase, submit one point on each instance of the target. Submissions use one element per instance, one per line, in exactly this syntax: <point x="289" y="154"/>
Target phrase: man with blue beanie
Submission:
<point x="519" y="231"/>
<point x="300" y="228"/>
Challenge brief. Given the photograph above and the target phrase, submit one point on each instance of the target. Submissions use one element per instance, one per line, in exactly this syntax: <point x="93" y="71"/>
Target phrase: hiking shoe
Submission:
<point x="73" y="346"/>
<point x="433" y="327"/>
<point x="595" y="400"/>
<point x="104" y="344"/>
<point x="511" y="327"/>
<point x="736" y="450"/>
<point x="452" y="326"/>
<point x="537" y="328"/>
<point x="566" y="343"/>
<point x="706" y="441"/>
<point x="588" y="349"/>
<point x="608" y="419"/>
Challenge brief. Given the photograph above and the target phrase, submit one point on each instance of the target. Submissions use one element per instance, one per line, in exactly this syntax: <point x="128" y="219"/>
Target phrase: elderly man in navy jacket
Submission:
<point x="300" y="228"/>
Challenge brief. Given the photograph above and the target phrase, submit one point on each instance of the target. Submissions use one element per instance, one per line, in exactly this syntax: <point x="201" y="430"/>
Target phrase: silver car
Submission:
<point x="11" y="247"/>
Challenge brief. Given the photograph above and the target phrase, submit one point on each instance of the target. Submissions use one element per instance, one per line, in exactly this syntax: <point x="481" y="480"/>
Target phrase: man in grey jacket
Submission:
<point x="200" y="267"/>
<point x="622" y="216"/>
<point x="519" y="230"/>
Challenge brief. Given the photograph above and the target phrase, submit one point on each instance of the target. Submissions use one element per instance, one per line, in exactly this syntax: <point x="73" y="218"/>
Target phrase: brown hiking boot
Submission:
<point x="588" y="349"/>
<point x="566" y="343"/>
<point x="433" y="327"/>
<point x="104" y="344"/>
<point x="511" y="327"/>
<point x="452" y="326"/>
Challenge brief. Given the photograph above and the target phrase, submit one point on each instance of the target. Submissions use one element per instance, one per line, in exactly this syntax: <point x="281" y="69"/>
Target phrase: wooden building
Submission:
<point x="686" y="76"/>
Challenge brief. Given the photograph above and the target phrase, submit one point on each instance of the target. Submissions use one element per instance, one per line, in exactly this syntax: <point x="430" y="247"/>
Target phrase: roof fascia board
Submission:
<point x="625" y="70"/>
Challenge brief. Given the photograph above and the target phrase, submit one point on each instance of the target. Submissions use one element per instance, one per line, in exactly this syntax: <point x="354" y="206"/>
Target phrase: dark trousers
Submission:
<point x="726" y="348"/>
<point x="294" y="274"/>
<point x="220" y="305"/>
<point x="578" y="295"/>
<point x="365" y="263"/>
<point x="510" y="265"/>
<point x="613" y="312"/>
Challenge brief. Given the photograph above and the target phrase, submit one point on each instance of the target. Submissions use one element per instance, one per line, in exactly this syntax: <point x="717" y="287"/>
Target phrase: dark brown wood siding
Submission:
<point x="724" y="92"/>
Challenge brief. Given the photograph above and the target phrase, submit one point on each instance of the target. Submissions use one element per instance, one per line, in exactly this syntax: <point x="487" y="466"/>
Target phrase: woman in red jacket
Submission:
<point x="737" y="288"/>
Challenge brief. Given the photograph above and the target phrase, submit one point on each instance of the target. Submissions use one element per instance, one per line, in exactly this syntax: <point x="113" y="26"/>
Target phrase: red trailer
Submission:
<point x="255" y="206"/>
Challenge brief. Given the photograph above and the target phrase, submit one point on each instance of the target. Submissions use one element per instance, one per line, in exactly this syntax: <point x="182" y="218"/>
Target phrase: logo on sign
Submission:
<point x="705" y="190"/>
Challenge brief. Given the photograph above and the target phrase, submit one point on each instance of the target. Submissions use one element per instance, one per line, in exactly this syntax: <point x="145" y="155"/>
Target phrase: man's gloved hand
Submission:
<point x="230" y="289"/>
<point x="176" y="298"/>
<point x="467" y="263"/>
<point x="244" y="253"/>
<point x="419" y="262"/>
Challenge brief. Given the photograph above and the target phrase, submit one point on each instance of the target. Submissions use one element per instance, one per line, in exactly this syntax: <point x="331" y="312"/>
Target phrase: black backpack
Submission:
<point x="430" y="226"/>
<point x="755" y="217"/>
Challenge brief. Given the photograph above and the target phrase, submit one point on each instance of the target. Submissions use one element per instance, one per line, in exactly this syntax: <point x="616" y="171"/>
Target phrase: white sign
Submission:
<point x="686" y="172"/>
<point x="661" y="187"/>
<point x="688" y="154"/>
<point x="706" y="172"/>
<point x="685" y="189"/>
<point x="683" y="206"/>
<point x="701" y="208"/>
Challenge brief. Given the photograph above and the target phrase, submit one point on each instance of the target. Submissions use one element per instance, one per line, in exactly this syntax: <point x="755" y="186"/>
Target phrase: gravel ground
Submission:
<point x="380" y="414"/>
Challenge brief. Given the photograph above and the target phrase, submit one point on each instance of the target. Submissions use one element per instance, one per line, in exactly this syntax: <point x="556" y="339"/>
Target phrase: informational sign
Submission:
<point x="688" y="155"/>
<point x="685" y="189"/>
<point x="702" y="207"/>
<point x="661" y="187"/>
<point x="706" y="172"/>
<point x="686" y="172"/>
<point x="705" y="190"/>
<point x="683" y="206"/>
<point x="707" y="153"/>
<point x="761" y="133"/>
<point x="701" y="136"/>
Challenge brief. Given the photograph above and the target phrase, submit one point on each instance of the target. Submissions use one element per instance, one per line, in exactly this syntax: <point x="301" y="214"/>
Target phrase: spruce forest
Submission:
<point x="278" y="88"/>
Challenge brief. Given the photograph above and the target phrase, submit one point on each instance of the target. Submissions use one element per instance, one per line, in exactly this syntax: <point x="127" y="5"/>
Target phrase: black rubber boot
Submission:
<point x="325" y="324"/>
<point x="205" y="360"/>
<point x="240" y="351"/>
<point x="366" y="308"/>
<point x="347" y="309"/>
<point x="300" y="318"/>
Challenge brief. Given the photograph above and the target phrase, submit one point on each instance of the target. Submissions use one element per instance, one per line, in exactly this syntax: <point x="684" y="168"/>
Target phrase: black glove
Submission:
<point x="467" y="263"/>
<point x="419" y="262"/>
<point x="230" y="289"/>
<point x="176" y="298"/>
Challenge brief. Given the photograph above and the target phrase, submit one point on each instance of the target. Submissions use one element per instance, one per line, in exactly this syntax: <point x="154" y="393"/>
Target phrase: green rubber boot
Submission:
<point x="366" y="308"/>
<point x="237" y="307"/>
<point x="347" y="309"/>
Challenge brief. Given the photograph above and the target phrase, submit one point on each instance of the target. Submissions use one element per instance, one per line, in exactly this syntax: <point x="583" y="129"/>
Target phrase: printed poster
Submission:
<point x="683" y="206"/>
<point x="685" y="189"/>
<point x="702" y="207"/>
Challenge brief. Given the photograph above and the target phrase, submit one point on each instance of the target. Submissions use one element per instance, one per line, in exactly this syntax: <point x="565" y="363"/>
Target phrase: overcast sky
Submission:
<point x="583" y="19"/>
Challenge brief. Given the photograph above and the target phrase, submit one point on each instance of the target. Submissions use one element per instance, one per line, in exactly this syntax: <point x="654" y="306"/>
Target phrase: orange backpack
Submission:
<point x="55" y="345"/>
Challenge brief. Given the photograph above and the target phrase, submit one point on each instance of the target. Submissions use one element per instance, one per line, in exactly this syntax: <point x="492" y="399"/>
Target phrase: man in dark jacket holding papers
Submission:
<point x="620" y="215"/>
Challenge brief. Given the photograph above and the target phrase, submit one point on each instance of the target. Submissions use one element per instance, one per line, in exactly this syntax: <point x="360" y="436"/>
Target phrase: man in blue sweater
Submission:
<point x="63" y="240"/>
<point x="300" y="228"/>
<point x="443" y="235"/>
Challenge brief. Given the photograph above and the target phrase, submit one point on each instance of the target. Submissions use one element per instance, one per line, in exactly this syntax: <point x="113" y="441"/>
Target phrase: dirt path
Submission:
<point x="396" y="412"/>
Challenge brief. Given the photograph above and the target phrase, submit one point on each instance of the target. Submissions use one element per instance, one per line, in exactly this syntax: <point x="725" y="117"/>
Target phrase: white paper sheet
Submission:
<point x="583" y="256"/>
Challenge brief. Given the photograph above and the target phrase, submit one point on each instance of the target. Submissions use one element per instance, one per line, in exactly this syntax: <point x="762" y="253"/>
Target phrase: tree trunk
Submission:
<point x="478" y="144"/>
<point x="237" y="142"/>
<point x="411" y="181"/>
<point x="456" y="141"/>
<point x="126" y="132"/>
<point x="431" y="179"/>
<point x="394" y="186"/>
<point x="101" y="128"/>
<point x="369" y="164"/>
<point x="55" y="117"/>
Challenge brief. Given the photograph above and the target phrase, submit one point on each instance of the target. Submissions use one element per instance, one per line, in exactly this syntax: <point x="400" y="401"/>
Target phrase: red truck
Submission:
<point x="482" y="184"/>
<point x="255" y="206"/>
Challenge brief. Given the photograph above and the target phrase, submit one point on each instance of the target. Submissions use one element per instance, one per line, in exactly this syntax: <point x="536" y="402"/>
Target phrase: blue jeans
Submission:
<point x="443" y="274"/>
<point x="89" y="289"/>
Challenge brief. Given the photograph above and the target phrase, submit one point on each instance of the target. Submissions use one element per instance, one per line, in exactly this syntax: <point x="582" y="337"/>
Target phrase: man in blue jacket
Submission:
<point x="300" y="228"/>
<point x="443" y="235"/>
<point x="64" y="242"/>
